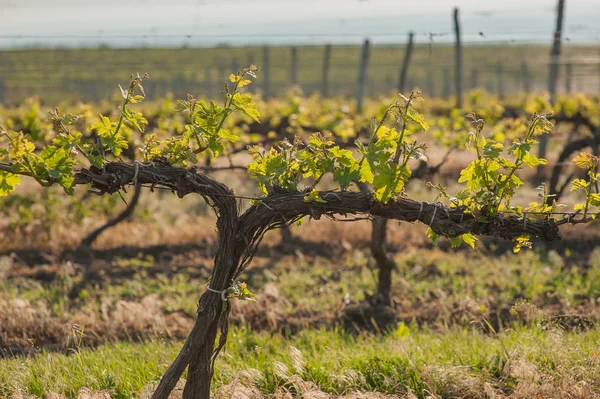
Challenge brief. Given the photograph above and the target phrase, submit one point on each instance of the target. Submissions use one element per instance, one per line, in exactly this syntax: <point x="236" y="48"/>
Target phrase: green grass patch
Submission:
<point x="420" y="361"/>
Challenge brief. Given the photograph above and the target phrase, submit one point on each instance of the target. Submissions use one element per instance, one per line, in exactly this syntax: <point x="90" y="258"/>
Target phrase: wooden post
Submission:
<point x="265" y="71"/>
<point x="569" y="78"/>
<point x="234" y="65"/>
<point x="553" y="76"/>
<point x="457" y="62"/>
<point x="294" y="66"/>
<point x="474" y="78"/>
<point x="325" y="76"/>
<point x="500" y="80"/>
<point x="362" y="76"/>
<point x="525" y="77"/>
<point x="405" y="64"/>
<point x="555" y="52"/>
<point x="446" y="87"/>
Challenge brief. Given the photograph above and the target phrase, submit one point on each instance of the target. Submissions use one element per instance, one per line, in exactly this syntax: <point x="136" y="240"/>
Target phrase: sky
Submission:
<point x="132" y="23"/>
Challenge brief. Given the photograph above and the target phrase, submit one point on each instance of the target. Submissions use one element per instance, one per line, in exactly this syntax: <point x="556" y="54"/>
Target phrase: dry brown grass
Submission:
<point x="26" y="327"/>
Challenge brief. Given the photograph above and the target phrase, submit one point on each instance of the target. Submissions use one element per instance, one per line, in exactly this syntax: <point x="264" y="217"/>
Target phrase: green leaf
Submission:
<point x="578" y="184"/>
<point x="584" y="160"/>
<point x="8" y="182"/>
<point x="244" y="103"/>
<point x="229" y="136"/>
<point x="455" y="242"/>
<point x="491" y="149"/>
<point x="435" y="237"/>
<point x="531" y="160"/>
<point x="417" y="117"/>
<point x="319" y="140"/>
<point x="366" y="175"/>
<point x="469" y="239"/>
<point x="389" y="181"/>
<point x="345" y="166"/>
<point x="239" y="79"/>
<point x="115" y="141"/>
<point x="136" y="119"/>
<point x="20" y="147"/>
<point x="520" y="242"/>
<point x="313" y="196"/>
<point x="59" y="166"/>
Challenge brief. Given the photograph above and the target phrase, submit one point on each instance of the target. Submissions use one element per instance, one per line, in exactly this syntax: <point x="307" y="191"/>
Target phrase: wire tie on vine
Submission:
<point x="334" y="194"/>
<point x="524" y="220"/>
<point x="222" y="293"/>
<point x="571" y="215"/>
<point x="420" y="211"/>
<point x="462" y="215"/>
<point x="136" y="169"/>
<point x="263" y="203"/>
<point x="434" y="212"/>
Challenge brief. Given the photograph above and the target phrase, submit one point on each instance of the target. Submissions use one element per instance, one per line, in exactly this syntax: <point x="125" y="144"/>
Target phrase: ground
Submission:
<point x="469" y="324"/>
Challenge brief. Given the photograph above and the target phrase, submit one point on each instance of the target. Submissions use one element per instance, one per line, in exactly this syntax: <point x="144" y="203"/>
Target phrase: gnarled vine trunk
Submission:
<point x="239" y="236"/>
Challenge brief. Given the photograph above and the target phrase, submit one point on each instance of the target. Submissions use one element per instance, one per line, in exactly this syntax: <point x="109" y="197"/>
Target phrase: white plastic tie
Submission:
<point x="222" y="293"/>
<point x="524" y="220"/>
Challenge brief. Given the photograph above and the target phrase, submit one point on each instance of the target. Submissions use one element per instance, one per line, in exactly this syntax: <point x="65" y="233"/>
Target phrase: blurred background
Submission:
<point x="79" y="50"/>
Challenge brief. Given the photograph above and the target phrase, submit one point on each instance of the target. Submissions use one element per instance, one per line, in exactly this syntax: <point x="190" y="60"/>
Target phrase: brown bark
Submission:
<point x="200" y="370"/>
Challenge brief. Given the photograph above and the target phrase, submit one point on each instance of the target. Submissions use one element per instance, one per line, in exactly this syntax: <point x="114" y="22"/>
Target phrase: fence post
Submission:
<point x="234" y="65"/>
<point x="568" y="77"/>
<point x="405" y="64"/>
<point x="553" y="76"/>
<point x="555" y="52"/>
<point x="294" y="65"/>
<point x="500" y="80"/>
<point x="362" y="76"/>
<point x="325" y="76"/>
<point x="265" y="70"/>
<point x="525" y="77"/>
<point x="457" y="61"/>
